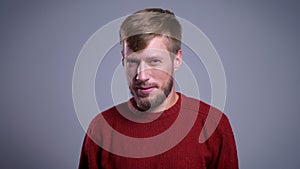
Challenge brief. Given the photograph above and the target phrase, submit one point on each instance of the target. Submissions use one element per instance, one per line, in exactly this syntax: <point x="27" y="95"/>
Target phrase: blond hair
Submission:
<point x="141" y="27"/>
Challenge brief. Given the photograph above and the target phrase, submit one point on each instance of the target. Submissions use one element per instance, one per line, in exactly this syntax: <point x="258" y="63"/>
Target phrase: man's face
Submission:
<point x="149" y="73"/>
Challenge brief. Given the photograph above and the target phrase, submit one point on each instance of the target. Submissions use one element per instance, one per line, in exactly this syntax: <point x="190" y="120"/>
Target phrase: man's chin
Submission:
<point x="150" y="102"/>
<point x="144" y="102"/>
<point x="142" y="99"/>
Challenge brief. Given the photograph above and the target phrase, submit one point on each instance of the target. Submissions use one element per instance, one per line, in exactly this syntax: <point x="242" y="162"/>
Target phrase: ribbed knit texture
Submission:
<point x="217" y="152"/>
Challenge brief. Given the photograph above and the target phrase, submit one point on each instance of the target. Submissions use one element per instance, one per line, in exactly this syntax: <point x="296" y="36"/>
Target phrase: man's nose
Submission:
<point x="142" y="72"/>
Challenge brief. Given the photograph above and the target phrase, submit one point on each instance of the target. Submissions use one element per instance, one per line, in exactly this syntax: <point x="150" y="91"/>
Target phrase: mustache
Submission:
<point x="138" y="85"/>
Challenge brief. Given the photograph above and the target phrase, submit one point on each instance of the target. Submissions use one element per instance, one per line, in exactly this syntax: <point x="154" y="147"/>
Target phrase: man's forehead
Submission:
<point x="148" y="52"/>
<point x="155" y="45"/>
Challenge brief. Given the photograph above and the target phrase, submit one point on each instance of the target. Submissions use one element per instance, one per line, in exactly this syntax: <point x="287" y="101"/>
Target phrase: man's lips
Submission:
<point x="144" y="90"/>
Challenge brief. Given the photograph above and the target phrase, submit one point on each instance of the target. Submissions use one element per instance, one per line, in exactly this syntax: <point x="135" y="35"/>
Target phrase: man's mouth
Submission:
<point x="144" y="90"/>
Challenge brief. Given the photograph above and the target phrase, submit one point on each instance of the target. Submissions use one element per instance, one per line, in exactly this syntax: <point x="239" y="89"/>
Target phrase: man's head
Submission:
<point x="151" y="50"/>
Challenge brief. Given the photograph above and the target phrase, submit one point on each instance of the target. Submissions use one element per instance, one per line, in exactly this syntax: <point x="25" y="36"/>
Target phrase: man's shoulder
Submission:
<point x="211" y="120"/>
<point x="199" y="106"/>
<point x="109" y="114"/>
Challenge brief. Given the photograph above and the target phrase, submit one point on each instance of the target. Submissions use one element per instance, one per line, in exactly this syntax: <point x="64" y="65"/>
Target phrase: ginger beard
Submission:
<point x="153" y="99"/>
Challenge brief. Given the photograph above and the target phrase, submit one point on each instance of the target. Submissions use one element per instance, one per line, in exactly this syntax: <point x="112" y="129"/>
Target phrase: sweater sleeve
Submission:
<point x="226" y="153"/>
<point x="83" y="163"/>
<point x="90" y="157"/>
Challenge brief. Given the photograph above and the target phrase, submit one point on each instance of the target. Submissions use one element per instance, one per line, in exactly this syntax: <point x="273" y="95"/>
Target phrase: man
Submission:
<point x="151" y="52"/>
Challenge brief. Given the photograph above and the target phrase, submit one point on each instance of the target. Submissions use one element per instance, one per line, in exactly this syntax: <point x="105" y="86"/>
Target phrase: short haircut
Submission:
<point x="141" y="27"/>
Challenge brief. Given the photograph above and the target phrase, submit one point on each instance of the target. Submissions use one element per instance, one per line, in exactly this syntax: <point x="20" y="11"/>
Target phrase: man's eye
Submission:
<point x="132" y="62"/>
<point x="155" y="61"/>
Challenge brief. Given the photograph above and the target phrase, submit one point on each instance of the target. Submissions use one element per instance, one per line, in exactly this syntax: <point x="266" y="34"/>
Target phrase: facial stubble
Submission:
<point x="155" y="102"/>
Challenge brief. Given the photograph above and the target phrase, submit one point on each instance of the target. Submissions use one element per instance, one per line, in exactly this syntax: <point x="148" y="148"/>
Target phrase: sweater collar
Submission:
<point x="134" y="114"/>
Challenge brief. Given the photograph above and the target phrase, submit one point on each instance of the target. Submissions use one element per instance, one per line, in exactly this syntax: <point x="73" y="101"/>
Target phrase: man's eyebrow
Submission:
<point x="154" y="57"/>
<point x="131" y="59"/>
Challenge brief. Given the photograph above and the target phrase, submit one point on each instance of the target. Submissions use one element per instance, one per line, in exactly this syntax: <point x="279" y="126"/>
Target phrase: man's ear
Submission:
<point x="122" y="50"/>
<point x="178" y="60"/>
<point x="122" y="57"/>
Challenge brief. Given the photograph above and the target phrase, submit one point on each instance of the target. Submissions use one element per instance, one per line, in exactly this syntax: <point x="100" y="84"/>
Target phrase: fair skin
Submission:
<point x="150" y="75"/>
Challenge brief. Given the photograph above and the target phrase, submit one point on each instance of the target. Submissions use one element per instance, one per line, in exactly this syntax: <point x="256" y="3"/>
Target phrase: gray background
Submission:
<point x="258" y="42"/>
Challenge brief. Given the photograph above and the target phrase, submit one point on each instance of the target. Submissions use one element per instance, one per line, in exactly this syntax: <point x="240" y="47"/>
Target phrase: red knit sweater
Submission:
<point x="217" y="152"/>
